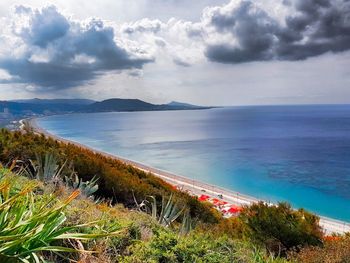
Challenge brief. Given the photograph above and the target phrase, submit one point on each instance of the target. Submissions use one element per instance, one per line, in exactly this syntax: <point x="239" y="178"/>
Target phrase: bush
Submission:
<point x="281" y="228"/>
<point x="166" y="247"/>
<point x="335" y="250"/>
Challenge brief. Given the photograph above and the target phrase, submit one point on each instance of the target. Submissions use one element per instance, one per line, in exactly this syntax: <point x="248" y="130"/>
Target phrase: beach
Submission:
<point x="194" y="187"/>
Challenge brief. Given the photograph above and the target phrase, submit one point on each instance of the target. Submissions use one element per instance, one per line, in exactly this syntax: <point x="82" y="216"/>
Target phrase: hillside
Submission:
<point x="121" y="105"/>
<point x="65" y="225"/>
<point x="128" y="225"/>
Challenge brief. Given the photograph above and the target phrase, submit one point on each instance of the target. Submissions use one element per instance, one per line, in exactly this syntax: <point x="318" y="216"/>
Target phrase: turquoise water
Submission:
<point x="299" y="154"/>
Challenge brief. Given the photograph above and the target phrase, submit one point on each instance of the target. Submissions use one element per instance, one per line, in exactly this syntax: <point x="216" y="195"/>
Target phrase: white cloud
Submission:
<point x="4" y="75"/>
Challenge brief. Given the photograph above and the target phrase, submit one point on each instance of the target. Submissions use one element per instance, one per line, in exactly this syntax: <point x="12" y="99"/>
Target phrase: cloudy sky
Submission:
<point x="209" y="52"/>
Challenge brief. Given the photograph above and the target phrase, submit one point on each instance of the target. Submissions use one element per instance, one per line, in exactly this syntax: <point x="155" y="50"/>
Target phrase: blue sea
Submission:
<point x="299" y="154"/>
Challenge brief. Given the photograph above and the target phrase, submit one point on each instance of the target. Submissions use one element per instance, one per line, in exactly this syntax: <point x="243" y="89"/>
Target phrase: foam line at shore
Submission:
<point x="192" y="186"/>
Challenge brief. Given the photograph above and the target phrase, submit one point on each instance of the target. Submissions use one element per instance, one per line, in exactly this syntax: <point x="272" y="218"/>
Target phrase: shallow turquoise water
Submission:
<point x="299" y="154"/>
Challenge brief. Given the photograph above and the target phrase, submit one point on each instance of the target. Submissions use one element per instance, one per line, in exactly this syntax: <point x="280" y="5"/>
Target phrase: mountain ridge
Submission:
<point x="59" y="106"/>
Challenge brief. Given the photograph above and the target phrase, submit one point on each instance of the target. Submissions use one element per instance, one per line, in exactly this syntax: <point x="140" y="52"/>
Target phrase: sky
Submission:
<point x="207" y="52"/>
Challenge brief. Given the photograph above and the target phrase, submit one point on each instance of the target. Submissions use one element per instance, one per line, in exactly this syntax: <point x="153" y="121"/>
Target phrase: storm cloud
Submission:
<point x="50" y="50"/>
<point x="242" y="31"/>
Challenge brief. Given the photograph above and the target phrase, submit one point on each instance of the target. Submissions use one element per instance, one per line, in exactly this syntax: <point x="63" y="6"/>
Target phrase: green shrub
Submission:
<point x="167" y="247"/>
<point x="281" y="228"/>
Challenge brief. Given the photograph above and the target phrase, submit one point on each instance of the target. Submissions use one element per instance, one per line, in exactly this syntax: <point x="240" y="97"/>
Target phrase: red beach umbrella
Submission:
<point x="203" y="198"/>
<point x="234" y="209"/>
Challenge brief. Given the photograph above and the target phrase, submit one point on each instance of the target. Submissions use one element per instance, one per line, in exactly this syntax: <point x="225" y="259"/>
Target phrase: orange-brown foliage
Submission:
<point x="118" y="181"/>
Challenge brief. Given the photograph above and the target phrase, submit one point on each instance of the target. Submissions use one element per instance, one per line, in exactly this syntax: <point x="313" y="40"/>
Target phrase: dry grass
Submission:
<point x="334" y="251"/>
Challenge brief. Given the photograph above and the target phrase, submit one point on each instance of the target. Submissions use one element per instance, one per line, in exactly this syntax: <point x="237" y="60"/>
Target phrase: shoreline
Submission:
<point x="194" y="187"/>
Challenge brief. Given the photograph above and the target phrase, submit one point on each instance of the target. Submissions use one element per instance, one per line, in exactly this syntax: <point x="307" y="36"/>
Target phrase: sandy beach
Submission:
<point x="192" y="186"/>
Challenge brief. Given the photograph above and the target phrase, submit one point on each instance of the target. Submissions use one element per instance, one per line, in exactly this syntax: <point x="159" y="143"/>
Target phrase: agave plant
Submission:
<point x="186" y="225"/>
<point x="169" y="212"/>
<point x="87" y="188"/>
<point x="45" y="169"/>
<point x="29" y="227"/>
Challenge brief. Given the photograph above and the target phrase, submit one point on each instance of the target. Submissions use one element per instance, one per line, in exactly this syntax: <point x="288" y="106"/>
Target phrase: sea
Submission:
<point x="298" y="154"/>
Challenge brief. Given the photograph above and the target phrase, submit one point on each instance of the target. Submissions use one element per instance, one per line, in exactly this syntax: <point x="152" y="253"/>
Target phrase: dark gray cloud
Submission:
<point x="61" y="53"/>
<point x="319" y="26"/>
<point x="48" y="75"/>
<point x="253" y="30"/>
<point x="314" y="27"/>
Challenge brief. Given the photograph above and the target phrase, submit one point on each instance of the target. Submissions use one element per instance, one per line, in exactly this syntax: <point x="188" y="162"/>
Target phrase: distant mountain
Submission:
<point x="137" y="105"/>
<point x="57" y="101"/>
<point x="60" y="106"/>
<point x="120" y="105"/>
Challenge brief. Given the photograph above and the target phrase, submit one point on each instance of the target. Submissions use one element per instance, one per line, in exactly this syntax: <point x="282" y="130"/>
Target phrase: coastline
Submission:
<point x="192" y="186"/>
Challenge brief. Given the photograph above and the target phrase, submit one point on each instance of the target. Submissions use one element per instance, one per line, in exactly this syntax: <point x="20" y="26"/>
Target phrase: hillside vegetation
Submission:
<point x="118" y="181"/>
<point x="116" y="213"/>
